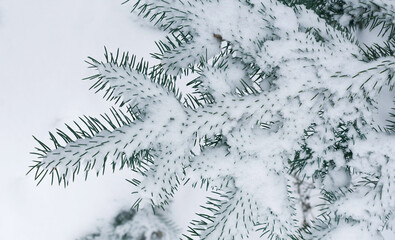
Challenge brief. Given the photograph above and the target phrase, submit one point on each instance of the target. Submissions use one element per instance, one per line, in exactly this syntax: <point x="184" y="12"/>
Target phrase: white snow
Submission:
<point x="42" y="46"/>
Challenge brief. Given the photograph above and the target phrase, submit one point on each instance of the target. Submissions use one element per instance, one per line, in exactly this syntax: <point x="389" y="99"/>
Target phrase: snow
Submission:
<point x="43" y="45"/>
<point x="345" y="231"/>
<point x="42" y="56"/>
<point x="338" y="178"/>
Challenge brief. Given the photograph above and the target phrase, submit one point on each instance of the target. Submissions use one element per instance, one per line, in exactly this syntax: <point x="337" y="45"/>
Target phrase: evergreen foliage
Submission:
<point x="132" y="225"/>
<point x="281" y="119"/>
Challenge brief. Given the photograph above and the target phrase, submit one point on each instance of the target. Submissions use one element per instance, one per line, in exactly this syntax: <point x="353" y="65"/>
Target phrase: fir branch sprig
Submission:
<point x="372" y="14"/>
<point x="376" y="51"/>
<point x="161" y="13"/>
<point x="93" y="135"/>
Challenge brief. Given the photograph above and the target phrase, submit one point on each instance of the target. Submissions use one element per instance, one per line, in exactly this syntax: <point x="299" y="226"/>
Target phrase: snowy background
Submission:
<point x="43" y="45"/>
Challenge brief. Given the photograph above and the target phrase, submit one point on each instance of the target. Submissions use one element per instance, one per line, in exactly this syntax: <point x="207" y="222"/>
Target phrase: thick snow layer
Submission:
<point x="43" y="44"/>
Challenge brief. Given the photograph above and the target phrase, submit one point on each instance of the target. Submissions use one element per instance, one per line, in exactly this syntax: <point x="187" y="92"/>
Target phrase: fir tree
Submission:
<point x="279" y="118"/>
